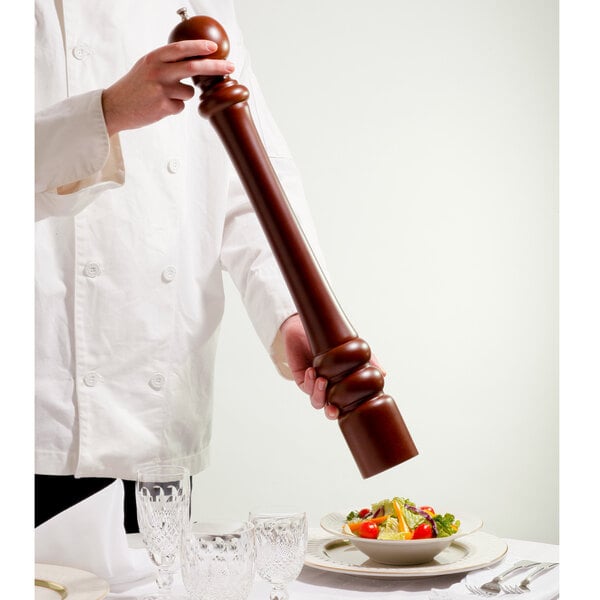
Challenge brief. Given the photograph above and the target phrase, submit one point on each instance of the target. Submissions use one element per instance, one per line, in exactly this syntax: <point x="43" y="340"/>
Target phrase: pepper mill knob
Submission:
<point x="201" y="28"/>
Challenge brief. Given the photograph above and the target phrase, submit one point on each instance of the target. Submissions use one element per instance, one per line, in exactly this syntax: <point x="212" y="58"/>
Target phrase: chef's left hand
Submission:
<point x="299" y="358"/>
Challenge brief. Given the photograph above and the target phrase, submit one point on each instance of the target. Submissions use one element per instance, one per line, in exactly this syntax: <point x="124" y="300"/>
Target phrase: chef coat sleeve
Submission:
<point x="75" y="160"/>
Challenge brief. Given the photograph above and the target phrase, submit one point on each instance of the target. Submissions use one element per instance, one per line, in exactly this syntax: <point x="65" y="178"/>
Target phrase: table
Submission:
<point x="315" y="584"/>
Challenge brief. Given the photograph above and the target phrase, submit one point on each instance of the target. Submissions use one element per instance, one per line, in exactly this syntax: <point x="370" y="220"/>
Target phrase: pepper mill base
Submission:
<point x="377" y="435"/>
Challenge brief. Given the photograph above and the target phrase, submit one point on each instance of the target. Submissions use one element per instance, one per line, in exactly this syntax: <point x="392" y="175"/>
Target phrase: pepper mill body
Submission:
<point x="369" y="419"/>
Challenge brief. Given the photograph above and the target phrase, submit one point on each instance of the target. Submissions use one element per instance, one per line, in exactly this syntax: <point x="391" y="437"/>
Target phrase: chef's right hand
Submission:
<point x="152" y="89"/>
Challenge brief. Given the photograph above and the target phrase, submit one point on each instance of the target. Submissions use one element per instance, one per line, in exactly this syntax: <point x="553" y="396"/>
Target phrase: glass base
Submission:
<point x="279" y="592"/>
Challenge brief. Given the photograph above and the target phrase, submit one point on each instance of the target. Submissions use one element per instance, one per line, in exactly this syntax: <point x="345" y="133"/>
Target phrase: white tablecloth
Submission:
<point x="315" y="584"/>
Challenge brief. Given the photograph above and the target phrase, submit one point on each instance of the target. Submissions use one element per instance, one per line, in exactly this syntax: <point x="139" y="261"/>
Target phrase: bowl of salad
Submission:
<point x="399" y="532"/>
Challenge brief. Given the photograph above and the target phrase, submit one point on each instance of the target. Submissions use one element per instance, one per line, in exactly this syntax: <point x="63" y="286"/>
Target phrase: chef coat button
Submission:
<point x="173" y="165"/>
<point x="169" y="273"/>
<point x="157" y="381"/>
<point x="92" y="378"/>
<point x="92" y="269"/>
<point x="81" y="52"/>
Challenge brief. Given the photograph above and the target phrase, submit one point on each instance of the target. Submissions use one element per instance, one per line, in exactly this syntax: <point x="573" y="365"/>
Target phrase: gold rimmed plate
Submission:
<point x="466" y="554"/>
<point x="61" y="590"/>
<point x="55" y="582"/>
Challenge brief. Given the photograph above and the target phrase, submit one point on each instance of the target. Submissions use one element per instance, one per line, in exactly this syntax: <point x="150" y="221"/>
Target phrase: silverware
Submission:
<point x="492" y="587"/>
<point x="524" y="585"/>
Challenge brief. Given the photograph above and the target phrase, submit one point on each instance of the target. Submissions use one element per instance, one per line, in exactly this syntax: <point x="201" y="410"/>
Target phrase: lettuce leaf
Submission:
<point x="389" y="530"/>
<point x="446" y="525"/>
<point x="386" y="504"/>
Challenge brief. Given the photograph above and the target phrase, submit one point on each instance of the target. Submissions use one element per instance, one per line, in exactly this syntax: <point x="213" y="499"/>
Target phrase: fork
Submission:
<point x="492" y="587"/>
<point x="524" y="585"/>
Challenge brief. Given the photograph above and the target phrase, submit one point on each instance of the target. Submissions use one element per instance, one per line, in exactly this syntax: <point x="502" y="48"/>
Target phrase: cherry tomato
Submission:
<point x="428" y="509"/>
<point x="422" y="532"/>
<point x="368" y="529"/>
<point x="364" y="512"/>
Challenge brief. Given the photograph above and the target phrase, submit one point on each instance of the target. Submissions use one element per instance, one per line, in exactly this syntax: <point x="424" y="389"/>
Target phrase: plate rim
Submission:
<point x="63" y="575"/>
<point x="407" y="571"/>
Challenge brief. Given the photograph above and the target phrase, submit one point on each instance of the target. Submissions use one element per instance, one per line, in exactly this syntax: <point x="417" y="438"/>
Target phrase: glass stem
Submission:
<point x="164" y="579"/>
<point x="279" y="592"/>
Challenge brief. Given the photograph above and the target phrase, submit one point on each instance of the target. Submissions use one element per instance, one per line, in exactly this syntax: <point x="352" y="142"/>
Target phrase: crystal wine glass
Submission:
<point x="217" y="560"/>
<point x="163" y="509"/>
<point x="281" y="539"/>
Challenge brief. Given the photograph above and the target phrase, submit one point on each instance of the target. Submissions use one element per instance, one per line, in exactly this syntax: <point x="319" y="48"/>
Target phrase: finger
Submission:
<point x="184" y="49"/>
<point x="177" y="71"/>
<point x="176" y="106"/>
<point x="308" y="385"/>
<point x="180" y="91"/>
<point x="210" y="66"/>
<point x="318" y="397"/>
<point x="331" y="412"/>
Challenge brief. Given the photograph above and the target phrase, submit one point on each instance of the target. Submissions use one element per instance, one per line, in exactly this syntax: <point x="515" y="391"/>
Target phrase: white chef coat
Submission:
<point x="132" y="236"/>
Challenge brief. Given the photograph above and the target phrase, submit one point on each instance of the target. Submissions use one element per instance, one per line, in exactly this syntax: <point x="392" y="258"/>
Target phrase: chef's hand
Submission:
<point x="299" y="358"/>
<point x="152" y="89"/>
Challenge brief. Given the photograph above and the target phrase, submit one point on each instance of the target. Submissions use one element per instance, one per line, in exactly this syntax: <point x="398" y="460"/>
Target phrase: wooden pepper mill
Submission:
<point x="369" y="419"/>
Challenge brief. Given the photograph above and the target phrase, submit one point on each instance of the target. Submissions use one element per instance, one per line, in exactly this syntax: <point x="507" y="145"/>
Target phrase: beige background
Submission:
<point x="426" y="132"/>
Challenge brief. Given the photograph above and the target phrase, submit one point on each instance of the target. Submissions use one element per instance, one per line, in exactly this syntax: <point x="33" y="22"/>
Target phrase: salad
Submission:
<point x="400" y="519"/>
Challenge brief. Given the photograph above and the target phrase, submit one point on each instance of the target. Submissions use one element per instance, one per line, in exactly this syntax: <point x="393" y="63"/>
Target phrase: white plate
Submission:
<point x="54" y="582"/>
<point x="399" y="552"/>
<point x="465" y="554"/>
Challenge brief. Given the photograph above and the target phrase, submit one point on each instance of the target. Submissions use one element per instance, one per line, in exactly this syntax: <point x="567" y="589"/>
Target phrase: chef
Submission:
<point x="138" y="214"/>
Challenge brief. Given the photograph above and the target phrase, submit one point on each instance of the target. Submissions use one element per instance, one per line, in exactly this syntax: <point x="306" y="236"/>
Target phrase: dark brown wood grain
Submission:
<point x="369" y="419"/>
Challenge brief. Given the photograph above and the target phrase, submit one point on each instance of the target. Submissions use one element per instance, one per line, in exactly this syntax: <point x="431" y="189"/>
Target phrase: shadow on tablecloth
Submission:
<point x="312" y="576"/>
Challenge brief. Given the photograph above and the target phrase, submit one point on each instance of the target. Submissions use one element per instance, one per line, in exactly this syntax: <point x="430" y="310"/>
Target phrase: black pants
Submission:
<point x="55" y="493"/>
